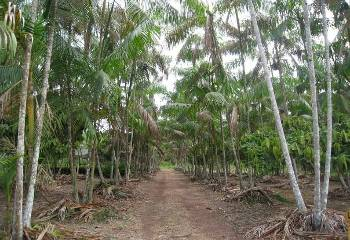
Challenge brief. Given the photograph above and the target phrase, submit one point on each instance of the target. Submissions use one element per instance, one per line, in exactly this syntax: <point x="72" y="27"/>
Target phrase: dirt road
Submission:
<point x="176" y="208"/>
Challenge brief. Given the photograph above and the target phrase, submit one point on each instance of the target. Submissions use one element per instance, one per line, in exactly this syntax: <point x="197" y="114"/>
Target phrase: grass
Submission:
<point x="279" y="197"/>
<point x="166" y="165"/>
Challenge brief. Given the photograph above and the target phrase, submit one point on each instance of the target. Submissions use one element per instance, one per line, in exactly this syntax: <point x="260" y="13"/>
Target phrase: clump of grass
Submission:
<point x="279" y="197"/>
<point x="166" y="165"/>
<point x="104" y="215"/>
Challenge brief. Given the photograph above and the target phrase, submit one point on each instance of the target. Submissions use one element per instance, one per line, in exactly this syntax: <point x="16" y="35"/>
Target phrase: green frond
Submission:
<point x="181" y="31"/>
<point x="215" y="100"/>
<point x="7" y="173"/>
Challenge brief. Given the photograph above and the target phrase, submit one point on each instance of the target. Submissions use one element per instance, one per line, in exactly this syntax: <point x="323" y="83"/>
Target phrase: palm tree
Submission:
<point x="295" y="187"/>
<point x="315" y="124"/>
<point x="40" y="119"/>
<point x="329" y="109"/>
<point x="17" y="231"/>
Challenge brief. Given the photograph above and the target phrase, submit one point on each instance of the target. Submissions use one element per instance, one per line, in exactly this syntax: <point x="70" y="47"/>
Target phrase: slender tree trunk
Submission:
<point x="111" y="173"/>
<point x="296" y="190"/>
<point x="92" y="173"/>
<point x="131" y="148"/>
<point x="223" y="148"/>
<point x="251" y="177"/>
<point x="87" y="177"/>
<point x="73" y="168"/>
<point x="128" y="156"/>
<point x="345" y="185"/>
<point x="237" y="162"/>
<point x="100" y="172"/>
<point x="217" y="164"/>
<point x="315" y="125"/>
<point x="329" y="110"/>
<point x="118" y="176"/>
<point x="282" y="83"/>
<point x="87" y="37"/>
<point x="17" y="232"/>
<point x="39" y="123"/>
<point x="31" y="123"/>
<point x="205" y="166"/>
<point x="295" y="168"/>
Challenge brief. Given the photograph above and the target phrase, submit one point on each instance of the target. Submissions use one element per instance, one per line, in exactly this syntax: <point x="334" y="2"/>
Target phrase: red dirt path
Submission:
<point x="176" y="208"/>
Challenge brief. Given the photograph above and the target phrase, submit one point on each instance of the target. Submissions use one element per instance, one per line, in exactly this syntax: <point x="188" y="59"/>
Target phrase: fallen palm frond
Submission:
<point x="114" y="192"/>
<point x="53" y="232"/>
<point x="251" y="195"/>
<point x="339" y="193"/>
<point x="296" y="225"/>
<point x="66" y="209"/>
<point x="44" y="179"/>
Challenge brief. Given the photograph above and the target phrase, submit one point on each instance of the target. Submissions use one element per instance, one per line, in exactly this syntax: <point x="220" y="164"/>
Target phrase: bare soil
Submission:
<point x="175" y="208"/>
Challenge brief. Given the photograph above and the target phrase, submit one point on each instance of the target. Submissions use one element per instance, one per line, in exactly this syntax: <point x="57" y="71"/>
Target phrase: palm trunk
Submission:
<point x="40" y="120"/>
<point x="128" y="160"/>
<point x="282" y="83"/>
<point x="343" y="183"/>
<point x="237" y="162"/>
<point x="118" y="176"/>
<point x="100" y="172"/>
<point x="329" y="110"/>
<point x="87" y="177"/>
<point x="111" y="173"/>
<point x="17" y="232"/>
<point x="31" y="121"/>
<point x="223" y="148"/>
<point x="315" y="125"/>
<point x="73" y="168"/>
<point x="296" y="190"/>
<point x="91" y="181"/>
<point x="205" y="166"/>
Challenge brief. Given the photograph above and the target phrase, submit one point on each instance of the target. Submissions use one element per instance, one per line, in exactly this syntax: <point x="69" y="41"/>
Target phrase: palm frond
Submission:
<point x="149" y="121"/>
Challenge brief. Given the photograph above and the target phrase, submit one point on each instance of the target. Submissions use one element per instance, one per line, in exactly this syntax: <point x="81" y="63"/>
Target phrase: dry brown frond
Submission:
<point x="50" y="232"/>
<point x="233" y="121"/>
<point x="297" y="225"/>
<point x="150" y="122"/>
<point x="251" y="195"/>
<point x="204" y="116"/>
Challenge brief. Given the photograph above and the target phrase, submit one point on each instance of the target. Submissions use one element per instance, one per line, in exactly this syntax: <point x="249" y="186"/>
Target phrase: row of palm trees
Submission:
<point x="209" y="89"/>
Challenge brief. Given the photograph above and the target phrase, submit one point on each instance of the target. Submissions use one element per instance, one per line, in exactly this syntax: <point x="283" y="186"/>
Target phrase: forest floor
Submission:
<point x="169" y="205"/>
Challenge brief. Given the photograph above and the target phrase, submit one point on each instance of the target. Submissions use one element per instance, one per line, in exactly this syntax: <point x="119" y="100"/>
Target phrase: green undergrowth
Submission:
<point x="279" y="197"/>
<point x="166" y="165"/>
<point x="104" y="215"/>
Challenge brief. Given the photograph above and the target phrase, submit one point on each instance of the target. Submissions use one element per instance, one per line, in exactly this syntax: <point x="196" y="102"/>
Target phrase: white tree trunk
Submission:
<point x="315" y="125"/>
<point x="17" y="229"/>
<point x="223" y="148"/>
<point x="329" y="110"/>
<point x="128" y="159"/>
<point x="39" y="123"/>
<point x="296" y="190"/>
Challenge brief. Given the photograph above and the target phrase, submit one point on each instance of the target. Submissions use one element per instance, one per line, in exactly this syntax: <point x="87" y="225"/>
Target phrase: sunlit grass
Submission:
<point x="166" y="165"/>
